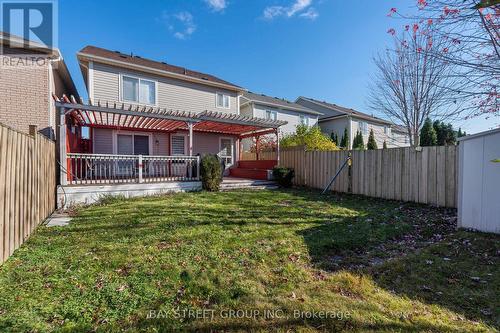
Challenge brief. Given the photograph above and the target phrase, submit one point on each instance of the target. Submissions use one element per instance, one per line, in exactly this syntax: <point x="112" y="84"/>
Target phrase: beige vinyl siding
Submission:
<point x="172" y="93"/>
<point x="336" y="126"/>
<point x="292" y="117"/>
<point x="380" y="136"/>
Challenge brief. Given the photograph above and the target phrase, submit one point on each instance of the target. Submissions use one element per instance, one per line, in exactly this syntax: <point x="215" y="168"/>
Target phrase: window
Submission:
<point x="304" y="120"/>
<point x="226" y="150"/>
<point x="271" y="115"/>
<point x="178" y="145"/>
<point x="138" y="90"/>
<point x="132" y="144"/>
<point x="387" y="130"/>
<point x="222" y="101"/>
<point x="364" y="127"/>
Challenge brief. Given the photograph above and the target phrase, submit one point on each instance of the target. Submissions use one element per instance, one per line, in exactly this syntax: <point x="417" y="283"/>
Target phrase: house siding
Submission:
<point x="292" y="117"/>
<point x="336" y="126"/>
<point x="172" y="93"/>
<point x="393" y="141"/>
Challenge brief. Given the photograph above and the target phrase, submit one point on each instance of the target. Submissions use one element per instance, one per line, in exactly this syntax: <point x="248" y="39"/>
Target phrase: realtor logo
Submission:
<point x="34" y="23"/>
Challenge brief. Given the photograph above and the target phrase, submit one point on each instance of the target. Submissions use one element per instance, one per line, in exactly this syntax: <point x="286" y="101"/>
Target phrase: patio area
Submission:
<point x="136" y="150"/>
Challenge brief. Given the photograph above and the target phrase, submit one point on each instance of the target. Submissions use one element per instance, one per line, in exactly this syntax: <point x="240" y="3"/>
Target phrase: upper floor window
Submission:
<point x="304" y="120"/>
<point x="364" y="127"/>
<point x="138" y="90"/>
<point x="222" y="101"/>
<point x="271" y="115"/>
<point x="387" y="130"/>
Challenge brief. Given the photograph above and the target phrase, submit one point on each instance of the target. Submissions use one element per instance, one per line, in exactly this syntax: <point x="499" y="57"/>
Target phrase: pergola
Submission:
<point x="113" y="115"/>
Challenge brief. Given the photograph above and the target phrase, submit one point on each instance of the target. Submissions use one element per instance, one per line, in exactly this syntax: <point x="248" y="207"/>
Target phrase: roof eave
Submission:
<point x="283" y="107"/>
<point x="90" y="57"/>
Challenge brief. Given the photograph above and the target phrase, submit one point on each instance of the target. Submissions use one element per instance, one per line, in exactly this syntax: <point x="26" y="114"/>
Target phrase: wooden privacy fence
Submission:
<point x="427" y="175"/>
<point x="27" y="185"/>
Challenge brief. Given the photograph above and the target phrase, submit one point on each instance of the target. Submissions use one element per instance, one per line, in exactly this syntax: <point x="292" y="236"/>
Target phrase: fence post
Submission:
<point x="140" y="168"/>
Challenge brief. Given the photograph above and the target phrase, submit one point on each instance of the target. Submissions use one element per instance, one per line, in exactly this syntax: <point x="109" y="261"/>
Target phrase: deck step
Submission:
<point x="231" y="183"/>
<point x="249" y="173"/>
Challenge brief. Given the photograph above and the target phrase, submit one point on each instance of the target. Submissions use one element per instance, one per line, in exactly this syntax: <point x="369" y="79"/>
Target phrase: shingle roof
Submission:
<point x="345" y="110"/>
<point x="163" y="66"/>
<point x="279" y="102"/>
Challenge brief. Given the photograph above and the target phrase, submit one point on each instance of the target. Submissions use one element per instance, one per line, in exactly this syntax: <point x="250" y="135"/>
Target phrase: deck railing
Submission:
<point x="118" y="169"/>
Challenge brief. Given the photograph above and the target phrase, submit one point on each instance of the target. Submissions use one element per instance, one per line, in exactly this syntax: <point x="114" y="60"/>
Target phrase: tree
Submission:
<point x="335" y="138"/>
<point x="384" y="146"/>
<point x="358" y="142"/>
<point x="428" y="135"/>
<point x="310" y="137"/>
<point x="344" y="142"/>
<point x="372" y="144"/>
<point x="460" y="133"/>
<point x="473" y="27"/>
<point x="445" y="133"/>
<point x="411" y="84"/>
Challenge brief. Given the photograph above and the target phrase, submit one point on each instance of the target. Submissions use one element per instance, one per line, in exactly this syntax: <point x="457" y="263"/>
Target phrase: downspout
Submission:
<point x="349" y="133"/>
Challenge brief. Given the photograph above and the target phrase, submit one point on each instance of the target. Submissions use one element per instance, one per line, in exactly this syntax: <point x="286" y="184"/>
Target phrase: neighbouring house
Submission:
<point x="273" y="108"/>
<point x="29" y="77"/>
<point x="148" y="123"/>
<point x="336" y="119"/>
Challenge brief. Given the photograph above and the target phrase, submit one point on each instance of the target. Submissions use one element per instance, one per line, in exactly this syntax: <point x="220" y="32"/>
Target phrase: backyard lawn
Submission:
<point x="254" y="260"/>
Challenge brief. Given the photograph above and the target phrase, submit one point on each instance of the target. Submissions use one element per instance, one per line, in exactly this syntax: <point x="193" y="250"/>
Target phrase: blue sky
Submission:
<point x="285" y="48"/>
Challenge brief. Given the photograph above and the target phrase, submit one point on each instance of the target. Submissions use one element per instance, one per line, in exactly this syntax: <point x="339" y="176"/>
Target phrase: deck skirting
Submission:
<point x="68" y="196"/>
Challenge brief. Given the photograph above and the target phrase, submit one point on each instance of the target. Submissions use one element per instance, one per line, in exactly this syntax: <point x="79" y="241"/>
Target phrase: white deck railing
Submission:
<point x="117" y="169"/>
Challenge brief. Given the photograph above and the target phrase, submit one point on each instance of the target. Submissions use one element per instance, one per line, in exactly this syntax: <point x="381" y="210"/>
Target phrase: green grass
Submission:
<point x="373" y="265"/>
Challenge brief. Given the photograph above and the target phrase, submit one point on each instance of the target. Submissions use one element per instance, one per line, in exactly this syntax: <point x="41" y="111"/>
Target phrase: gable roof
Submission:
<point x="8" y="40"/>
<point x="344" y="110"/>
<point x="161" y="68"/>
<point x="277" y="102"/>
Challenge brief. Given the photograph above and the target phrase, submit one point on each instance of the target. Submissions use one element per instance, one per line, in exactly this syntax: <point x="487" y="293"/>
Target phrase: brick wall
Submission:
<point x="24" y="95"/>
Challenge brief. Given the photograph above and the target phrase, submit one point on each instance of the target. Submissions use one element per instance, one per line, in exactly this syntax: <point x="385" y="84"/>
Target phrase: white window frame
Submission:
<point x="232" y="150"/>
<point x="272" y="112"/>
<point x="185" y="144"/>
<point x="119" y="132"/>
<point x="228" y="100"/>
<point x="138" y="102"/>
<point x="388" y="131"/>
<point x="304" y="120"/>
<point x="363" y="127"/>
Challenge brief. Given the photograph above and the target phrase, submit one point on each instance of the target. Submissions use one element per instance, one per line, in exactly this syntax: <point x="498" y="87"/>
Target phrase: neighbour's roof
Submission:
<point x="400" y="128"/>
<point x="135" y="60"/>
<point x="347" y="111"/>
<point x="19" y="46"/>
<point x="277" y="102"/>
<point x="480" y="134"/>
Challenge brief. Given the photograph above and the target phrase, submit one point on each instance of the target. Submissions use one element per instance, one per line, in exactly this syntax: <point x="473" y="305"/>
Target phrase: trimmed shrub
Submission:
<point x="211" y="173"/>
<point x="283" y="176"/>
<point x="372" y="144"/>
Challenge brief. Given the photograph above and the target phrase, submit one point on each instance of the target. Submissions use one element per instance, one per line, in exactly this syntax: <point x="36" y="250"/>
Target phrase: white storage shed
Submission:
<point x="479" y="181"/>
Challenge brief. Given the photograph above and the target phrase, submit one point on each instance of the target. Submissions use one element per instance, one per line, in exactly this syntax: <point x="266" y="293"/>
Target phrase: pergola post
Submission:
<point x="257" y="147"/>
<point x="278" y="146"/>
<point x="190" y="149"/>
<point x="62" y="148"/>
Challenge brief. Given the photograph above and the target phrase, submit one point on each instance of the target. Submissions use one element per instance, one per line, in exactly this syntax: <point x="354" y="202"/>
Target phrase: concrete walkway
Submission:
<point x="58" y="220"/>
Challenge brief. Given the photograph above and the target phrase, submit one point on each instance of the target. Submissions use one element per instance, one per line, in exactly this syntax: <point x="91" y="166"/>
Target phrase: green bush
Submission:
<point x="211" y="173"/>
<point x="310" y="137"/>
<point x="283" y="176"/>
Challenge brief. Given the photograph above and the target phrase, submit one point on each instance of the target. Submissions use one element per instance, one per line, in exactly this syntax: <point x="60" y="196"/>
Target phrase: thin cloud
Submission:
<point x="301" y="7"/>
<point x="310" y="14"/>
<point x="217" y="5"/>
<point x="181" y="25"/>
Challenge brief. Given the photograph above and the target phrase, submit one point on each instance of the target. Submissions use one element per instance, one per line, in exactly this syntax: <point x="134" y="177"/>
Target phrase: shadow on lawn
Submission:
<point x="419" y="255"/>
